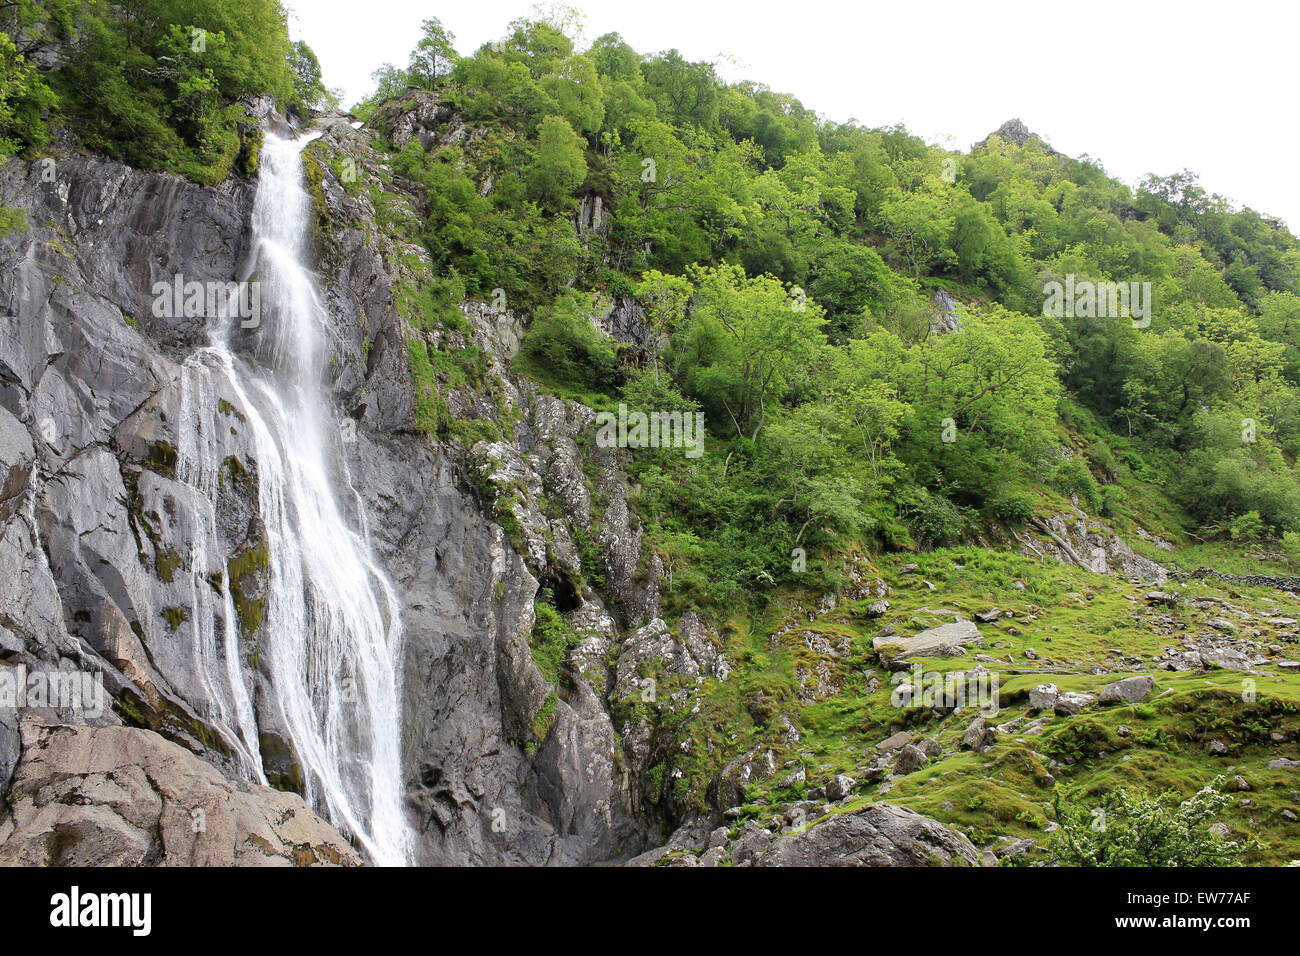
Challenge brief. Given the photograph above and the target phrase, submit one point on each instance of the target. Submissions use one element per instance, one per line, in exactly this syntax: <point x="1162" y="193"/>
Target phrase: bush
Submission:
<point x="935" y="521"/>
<point x="563" y="348"/>
<point x="1113" y="498"/>
<point x="1012" y="508"/>
<point x="1132" y="828"/>
<point x="1291" y="546"/>
<point x="1247" y="527"/>
<point x="1073" y="478"/>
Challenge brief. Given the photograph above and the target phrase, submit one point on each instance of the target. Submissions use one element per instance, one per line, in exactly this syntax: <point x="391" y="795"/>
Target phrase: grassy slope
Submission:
<point x="1072" y="619"/>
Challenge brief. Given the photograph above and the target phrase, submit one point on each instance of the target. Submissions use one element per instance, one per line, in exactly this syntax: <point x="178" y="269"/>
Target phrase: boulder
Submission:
<point x="727" y="788"/>
<point x="894" y="742"/>
<point x="1043" y="697"/>
<point x="839" y="787"/>
<point x="877" y="835"/>
<point x="1130" y="690"/>
<point x="910" y="759"/>
<point x="977" y="736"/>
<point x="1069" y="704"/>
<point x="750" y="843"/>
<point x="935" y="642"/>
<point x="120" y="796"/>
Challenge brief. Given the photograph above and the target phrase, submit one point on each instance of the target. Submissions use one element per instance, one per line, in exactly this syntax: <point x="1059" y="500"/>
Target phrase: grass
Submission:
<point x="1078" y="619"/>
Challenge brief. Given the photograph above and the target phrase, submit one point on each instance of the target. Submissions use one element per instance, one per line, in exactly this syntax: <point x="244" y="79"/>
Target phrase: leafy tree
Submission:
<point x="685" y="92"/>
<point x="559" y="165"/>
<point x="434" y="55"/>
<point x="309" y="93"/>
<point x="563" y="347"/>
<point x="747" y="345"/>
<point x="25" y="99"/>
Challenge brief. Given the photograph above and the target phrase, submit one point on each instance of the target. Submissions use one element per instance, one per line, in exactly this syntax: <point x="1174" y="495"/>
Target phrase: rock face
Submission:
<point x="503" y="764"/>
<point x="1015" y="131"/>
<point x="117" y="796"/>
<point x="1092" y="545"/>
<point x="877" y="835"/>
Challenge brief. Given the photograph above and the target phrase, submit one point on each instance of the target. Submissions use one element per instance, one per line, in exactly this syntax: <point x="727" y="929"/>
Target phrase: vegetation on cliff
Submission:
<point x="156" y="83"/>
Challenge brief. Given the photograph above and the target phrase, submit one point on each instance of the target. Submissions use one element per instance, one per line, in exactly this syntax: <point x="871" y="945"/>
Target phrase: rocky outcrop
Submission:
<point x="108" y="548"/>
<point x="117" y="796"/>
<point x="1016" y="132"/>
<point x="877" y="835"/>
<point x="1092" y="545"/>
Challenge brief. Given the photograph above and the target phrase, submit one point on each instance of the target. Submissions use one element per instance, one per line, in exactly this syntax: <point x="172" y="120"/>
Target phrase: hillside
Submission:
<point x="992" y="418"/>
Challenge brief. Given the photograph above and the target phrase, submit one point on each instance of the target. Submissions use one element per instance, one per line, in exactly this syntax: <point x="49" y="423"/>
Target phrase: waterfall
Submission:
<point x="332" y="620"/>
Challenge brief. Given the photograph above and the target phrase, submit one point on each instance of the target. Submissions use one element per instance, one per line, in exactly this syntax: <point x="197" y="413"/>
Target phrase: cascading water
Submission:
<point x="332" y="622"/>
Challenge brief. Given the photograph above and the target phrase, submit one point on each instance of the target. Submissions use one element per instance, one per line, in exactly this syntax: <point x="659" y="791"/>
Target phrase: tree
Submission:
<point x="685" y="92"/>
<point x="559" y="165"/>
<point x="666" y="298"/>
<point x="920" y="222"/>
<point x="24" y="101"/>
<point x="434" y="55"/>
<point x="309" y="92"/>
<point x="748" y="344"/>
<point x="577" y="91"/>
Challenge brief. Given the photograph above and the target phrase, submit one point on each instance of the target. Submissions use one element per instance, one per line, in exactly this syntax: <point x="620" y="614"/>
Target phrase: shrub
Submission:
<point x="1073" y="478"/>
<point x="1247" y="527"/>
<point x="935" y="521"/>
<point x="562" y="347"/>
<point x="1132" y="828"/>
<point x="1012" y="508"/>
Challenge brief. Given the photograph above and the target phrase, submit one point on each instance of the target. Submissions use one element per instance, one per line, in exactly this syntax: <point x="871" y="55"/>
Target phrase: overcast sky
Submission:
<point x="1140" y="87"/>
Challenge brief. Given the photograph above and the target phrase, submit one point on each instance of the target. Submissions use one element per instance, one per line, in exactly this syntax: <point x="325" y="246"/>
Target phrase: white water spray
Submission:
<point x="332" y="621"/>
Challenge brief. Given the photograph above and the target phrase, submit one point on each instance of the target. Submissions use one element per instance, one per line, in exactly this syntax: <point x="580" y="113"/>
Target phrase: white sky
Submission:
<point x="1138" y="86"/>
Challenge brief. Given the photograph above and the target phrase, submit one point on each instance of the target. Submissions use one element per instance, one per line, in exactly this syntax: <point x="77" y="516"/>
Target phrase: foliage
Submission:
<point x="1133" y="828"/>
<point x="156" y="83"/>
